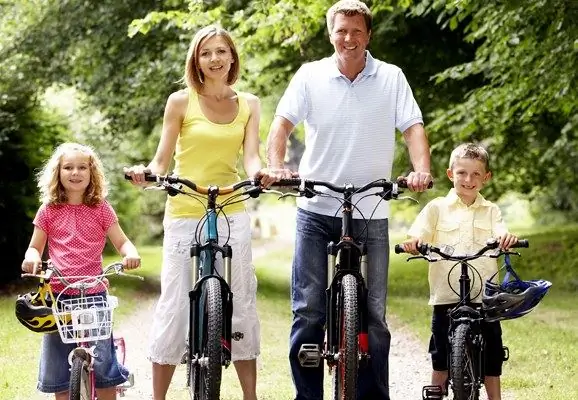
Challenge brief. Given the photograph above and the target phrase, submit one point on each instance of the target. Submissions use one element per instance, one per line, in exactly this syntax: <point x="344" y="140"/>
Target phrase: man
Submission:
<point x="351" y="105"/>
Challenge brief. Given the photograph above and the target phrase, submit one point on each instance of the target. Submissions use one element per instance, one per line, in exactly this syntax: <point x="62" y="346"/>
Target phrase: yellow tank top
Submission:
<point x="207" y="154"/>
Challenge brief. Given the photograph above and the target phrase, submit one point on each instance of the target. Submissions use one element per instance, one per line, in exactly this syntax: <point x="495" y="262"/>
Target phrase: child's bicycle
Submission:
<point x="508" y="300"/>
<point x="346" y="344"/>
<point x="80" y="318"/>
<point x="211" y="299"/>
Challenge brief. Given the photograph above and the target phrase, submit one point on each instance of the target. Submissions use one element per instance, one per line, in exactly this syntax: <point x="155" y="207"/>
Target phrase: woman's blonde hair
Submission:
<point x="194" y="77"/>
<point x="50" y="187"/>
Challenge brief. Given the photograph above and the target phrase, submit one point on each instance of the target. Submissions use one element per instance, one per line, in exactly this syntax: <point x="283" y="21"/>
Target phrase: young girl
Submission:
<point x="205" y="127"/>
<point x="75" y="220"/>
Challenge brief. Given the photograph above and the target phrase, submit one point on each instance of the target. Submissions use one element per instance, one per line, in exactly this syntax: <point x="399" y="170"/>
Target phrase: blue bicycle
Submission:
<point x="211" y="299"/>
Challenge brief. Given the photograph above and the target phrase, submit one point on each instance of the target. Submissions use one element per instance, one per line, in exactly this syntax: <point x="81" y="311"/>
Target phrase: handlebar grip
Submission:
<point x="522" y="243"/>
<point x="288" y="182"/>
<point x="399" y="249"/>
<point x="148" y="177"/>
<point x="402" y="183"/>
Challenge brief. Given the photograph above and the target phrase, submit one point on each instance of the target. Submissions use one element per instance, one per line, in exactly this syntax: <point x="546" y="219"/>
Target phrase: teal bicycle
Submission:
<point x="211" y="299"/>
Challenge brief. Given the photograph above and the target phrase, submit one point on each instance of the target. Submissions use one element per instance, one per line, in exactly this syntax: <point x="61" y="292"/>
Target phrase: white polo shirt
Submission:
<point x="349" y="127"/>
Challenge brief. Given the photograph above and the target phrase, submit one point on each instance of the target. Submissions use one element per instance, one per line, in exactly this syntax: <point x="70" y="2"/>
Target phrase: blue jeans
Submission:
<point x="308" y="284"/>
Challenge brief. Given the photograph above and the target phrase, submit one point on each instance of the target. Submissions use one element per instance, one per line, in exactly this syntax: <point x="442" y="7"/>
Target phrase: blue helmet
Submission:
<point x="512" y="298"/>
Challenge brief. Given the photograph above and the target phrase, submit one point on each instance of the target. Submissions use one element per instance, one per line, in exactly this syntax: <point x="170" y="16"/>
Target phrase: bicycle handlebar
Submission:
<point x="47" y="269"/>
<point x="171" y="179"/>
<point x="380" y="183"/>
<point x="492" y="244"/>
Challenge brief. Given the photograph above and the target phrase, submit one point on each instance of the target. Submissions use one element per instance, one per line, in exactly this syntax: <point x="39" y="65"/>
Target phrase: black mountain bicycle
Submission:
<point x="211" y="299"/>
<point x="346" y="295"/>
<point x="466" y="352"/>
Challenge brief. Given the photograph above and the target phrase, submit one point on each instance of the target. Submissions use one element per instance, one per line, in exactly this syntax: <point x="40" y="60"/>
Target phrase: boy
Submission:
<point x="464" y="220"/>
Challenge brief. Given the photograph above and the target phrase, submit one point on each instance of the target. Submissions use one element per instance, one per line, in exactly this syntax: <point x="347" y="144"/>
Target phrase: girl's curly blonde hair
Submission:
<point x="50" y="187"/>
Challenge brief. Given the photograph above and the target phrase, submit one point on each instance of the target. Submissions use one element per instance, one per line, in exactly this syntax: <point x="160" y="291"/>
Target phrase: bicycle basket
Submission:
<point x="84" y="319"/>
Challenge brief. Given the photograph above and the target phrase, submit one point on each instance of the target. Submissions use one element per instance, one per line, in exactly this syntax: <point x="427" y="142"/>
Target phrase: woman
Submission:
<point x="205" y="126"/>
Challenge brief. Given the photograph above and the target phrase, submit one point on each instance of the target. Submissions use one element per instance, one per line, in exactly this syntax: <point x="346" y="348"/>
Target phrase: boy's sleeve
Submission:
<point x="499" y="227"/>
<point x="424" y="225"/>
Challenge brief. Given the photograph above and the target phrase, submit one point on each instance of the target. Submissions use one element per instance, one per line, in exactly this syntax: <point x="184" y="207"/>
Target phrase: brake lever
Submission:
<point x="280" y="193"/>
<point x="417" y="258"/>
<point x="407" y="198"/>
<point x="289" y="194"/>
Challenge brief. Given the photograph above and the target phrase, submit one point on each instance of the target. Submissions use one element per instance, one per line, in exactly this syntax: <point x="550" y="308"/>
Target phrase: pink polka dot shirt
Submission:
<point x="76" y="237"/>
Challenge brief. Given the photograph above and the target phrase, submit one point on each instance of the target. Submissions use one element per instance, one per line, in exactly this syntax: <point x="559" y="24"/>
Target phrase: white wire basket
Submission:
<point x="84" y="319"/>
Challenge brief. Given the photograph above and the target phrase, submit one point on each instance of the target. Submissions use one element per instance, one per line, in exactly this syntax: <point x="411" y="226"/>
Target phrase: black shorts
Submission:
<point x="439" y="343"/>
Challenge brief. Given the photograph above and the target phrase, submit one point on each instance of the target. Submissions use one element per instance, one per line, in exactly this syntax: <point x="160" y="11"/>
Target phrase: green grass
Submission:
<point x="543" y="345"/>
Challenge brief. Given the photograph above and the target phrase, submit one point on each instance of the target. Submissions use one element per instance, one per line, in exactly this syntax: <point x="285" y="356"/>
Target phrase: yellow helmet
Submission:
<point x="35" y="313"/>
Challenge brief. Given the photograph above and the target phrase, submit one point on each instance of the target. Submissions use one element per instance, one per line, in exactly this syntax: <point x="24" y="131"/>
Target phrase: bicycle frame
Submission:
<point x="464" y="326"/>
<point x="352" y="261"/>
<point x="203" y="268"/>
<point x="84" y="352"/>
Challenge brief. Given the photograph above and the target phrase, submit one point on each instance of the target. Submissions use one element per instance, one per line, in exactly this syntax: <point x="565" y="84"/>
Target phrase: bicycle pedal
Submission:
<point x="309" y="355"/>
<point x="129" y="382"/>
<point x="432" y="392"/>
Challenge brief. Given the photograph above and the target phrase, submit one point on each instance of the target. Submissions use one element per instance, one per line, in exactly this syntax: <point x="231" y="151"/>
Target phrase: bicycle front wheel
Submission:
<point x="345" y="373"/>
<point x="80" y="388"/>
<point x="462" y="365"/>
<point x="208" y="369"/>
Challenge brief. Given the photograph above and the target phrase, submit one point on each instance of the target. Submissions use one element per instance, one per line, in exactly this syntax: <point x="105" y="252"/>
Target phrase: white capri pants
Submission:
<point x="171" y="318"/>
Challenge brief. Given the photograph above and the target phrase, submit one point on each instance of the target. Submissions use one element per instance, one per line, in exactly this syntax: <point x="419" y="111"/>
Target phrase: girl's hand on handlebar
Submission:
<point x="131" y="262"/>
<point x="31" y="265"/>
<point x="137" y="173"/>
<point x="410" y="245"/>
<point x="418" y="181"/>
<point x="506" y="241"/>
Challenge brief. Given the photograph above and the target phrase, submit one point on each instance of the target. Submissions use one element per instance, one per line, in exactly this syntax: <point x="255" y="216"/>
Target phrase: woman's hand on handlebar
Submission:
<point x="268" y="176"/>
<point x="411" y="245"/>
<point x="418" y="181"/>
<point x="137" y="174"/>
<point x="506" y="241"/>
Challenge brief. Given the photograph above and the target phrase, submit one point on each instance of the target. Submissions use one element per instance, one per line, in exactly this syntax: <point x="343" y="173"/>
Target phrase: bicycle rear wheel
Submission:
<point x="462" y="365"/>
<point x="345" y="372"/>
<point x="206" y="372"/>
<point x="79" y="386"/>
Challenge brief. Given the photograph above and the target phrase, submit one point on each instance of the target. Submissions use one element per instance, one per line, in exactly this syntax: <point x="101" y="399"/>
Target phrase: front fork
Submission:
<point x="197" y="302"/>
<point x="310" y="355"/>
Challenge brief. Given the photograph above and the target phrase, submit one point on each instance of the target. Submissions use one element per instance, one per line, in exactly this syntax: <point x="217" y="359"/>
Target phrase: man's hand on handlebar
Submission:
<point x="268" y="176"/>
<point x="418" y="181"/>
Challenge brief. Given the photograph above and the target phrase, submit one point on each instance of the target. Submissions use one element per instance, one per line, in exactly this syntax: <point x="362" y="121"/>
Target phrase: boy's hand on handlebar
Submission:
<point x="418" y="181"/>
<point x="137" y="174"/>
<point x="131" y="262"/>
<point x="411" y="245"/>
<point x="268" y="176"/>
<point x="506" y="241"/>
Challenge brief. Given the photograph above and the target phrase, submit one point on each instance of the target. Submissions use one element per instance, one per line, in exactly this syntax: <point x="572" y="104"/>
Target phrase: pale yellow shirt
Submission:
<point x="448" y="221"/>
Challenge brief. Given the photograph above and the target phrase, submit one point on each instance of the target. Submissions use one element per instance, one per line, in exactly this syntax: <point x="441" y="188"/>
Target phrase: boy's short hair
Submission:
<point x="472" y="151"/>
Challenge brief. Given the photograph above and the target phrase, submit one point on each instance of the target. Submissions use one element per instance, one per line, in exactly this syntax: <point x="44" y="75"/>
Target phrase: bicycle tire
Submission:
<point x="462" y="368"/>
<point x="345" y="373"/>
<point x="206" y="379"/>
<point x="79" y="386"/>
